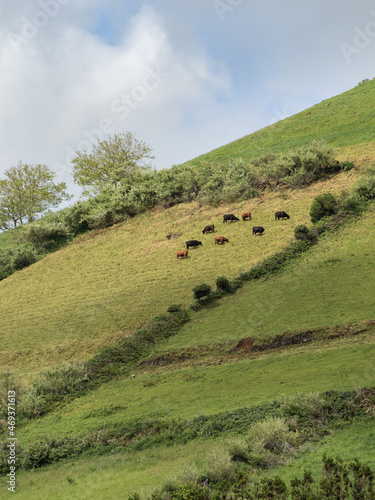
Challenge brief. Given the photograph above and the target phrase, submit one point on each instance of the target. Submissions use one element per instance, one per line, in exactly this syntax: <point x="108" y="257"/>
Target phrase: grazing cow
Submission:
<point x="192" y="243"/>
<point x="281" y="215"/>
<point x="258" y="230"/>
<point x="182" y="253"/>
<point x="209" y="229"/>
<point x="220" y="240"/>
<point x="246" y="215"/>
<point x="230" y="217"/>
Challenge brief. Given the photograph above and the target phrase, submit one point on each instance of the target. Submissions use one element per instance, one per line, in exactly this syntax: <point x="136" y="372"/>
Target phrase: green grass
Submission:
<point x="333" y="284"/>
<point x="119" y="475"/>
<point x="355" y="441"/>
<point x="187" y="393"/>
<point x="108" y="477"/>
<point x="108" y="283"/>
<point x="347" y="119"/>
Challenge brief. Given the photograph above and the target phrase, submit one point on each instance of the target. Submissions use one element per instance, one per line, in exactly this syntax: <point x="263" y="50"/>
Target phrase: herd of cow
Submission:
<point x="220" y="240"/>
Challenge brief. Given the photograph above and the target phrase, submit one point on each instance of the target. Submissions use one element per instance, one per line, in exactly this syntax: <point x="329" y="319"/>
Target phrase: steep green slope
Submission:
<point x="117" y="476"/>
<point x="108" y="283"/>
<point x="345" y="120"/>
<point x="334" y="284"/>
<point x="185" y="393"/>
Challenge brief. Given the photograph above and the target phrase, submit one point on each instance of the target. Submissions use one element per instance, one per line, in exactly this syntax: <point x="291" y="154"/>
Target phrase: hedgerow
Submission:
<point x="267" y="420"/>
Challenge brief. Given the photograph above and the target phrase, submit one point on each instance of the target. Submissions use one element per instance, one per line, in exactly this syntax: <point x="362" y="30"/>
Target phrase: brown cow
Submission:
<point x="182" y="253"/>
<point x="246" y="215"/>
<point x="220" y="239"/>
<point x="209" y="229"/>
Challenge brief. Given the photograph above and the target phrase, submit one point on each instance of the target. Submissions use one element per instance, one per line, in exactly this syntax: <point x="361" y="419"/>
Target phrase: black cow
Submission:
<point x="209" y="229"/>
<point x="229" y="217"/>
<point x="193" y="243"/>
<point x="258" y="230"/>
<point x="281" y="215"/>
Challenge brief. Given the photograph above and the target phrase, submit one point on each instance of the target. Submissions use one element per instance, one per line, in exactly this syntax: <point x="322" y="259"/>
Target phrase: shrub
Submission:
<point x="187" y="474"/>
<point x="323" y="206"/>
<point x="238" y="449"/>
<point x="174" y="308"/>
<point x="302" y="405"/>
<point x="223" y="284"/>
<point x="5" y="265"/>
<point x="31" y="405"/>
<point x="201" y="291"/>
<point x="270" y="434"/>
<point x="302" y="232"/>
<point x="347" y="165"/>
<point x="75" y="217"/>
<point x="70" y="377"/>
<point x="43" y="236"/>
<point x="220" y="466"/>
<point x="23" y="257"/>
<point x="100" y="217"/>
<point x="351" y="204"/>
<point x="365" y="187"/>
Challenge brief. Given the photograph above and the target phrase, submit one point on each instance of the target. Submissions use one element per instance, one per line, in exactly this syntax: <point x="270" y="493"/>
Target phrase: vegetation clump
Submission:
<point x="223" y="284"/>
<point x="323" y="205"/>
<point x="201" y="291"/>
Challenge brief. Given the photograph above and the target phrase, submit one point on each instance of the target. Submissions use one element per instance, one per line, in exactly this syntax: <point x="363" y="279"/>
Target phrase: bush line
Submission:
<point x="315" y="416"/>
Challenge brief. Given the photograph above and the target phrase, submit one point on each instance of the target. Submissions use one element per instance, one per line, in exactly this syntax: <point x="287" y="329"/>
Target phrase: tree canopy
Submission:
<point x="26" y="192"/>
<point x="118" y="157"/>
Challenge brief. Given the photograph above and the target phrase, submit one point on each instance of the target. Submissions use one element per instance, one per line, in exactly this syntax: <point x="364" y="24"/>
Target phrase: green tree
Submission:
<point x="111" y="160"/>
<point x="26" y="192"/>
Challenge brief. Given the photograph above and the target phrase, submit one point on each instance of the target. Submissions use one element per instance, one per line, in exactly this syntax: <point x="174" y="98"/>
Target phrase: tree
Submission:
<point x="26" y="192"/>
<point x="115" y="158"/>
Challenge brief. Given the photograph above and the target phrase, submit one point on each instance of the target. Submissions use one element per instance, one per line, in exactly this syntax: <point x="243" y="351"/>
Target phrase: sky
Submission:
<point x="184" y="76"/>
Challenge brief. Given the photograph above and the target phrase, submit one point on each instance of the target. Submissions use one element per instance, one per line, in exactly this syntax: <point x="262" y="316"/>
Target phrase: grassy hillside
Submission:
<point x="345" y="121"/>
<point x="108" y="283"/>
<point x="217" y="384"/>
<point x="334" y="284"/>
<point x="142" y="471"/>
<point x="212" y="388"/>
<point x="317" y="291"/>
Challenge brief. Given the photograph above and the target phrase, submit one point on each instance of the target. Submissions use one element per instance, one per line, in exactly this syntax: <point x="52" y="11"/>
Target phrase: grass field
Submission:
<point x="116" y="476"/>
<point x="108" y="477"/>
<point x="355" y="441"/>
<point x="334" y="284"/>
<point x="342" y="121"/>
<point x="108" y="283"/>
<point x="209" y="389"/>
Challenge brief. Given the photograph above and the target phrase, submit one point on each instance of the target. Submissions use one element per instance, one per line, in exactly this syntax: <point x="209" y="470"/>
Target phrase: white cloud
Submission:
<point x="58" y="91"/>
<point x="180" y="77"/>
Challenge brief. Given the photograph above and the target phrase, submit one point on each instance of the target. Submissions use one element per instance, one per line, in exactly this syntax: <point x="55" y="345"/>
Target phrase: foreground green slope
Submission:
<point x="117" y="476"/>
<point x="345" y="121"/>
<point x="108" y="283"/>
<point x="186" y="392"/>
